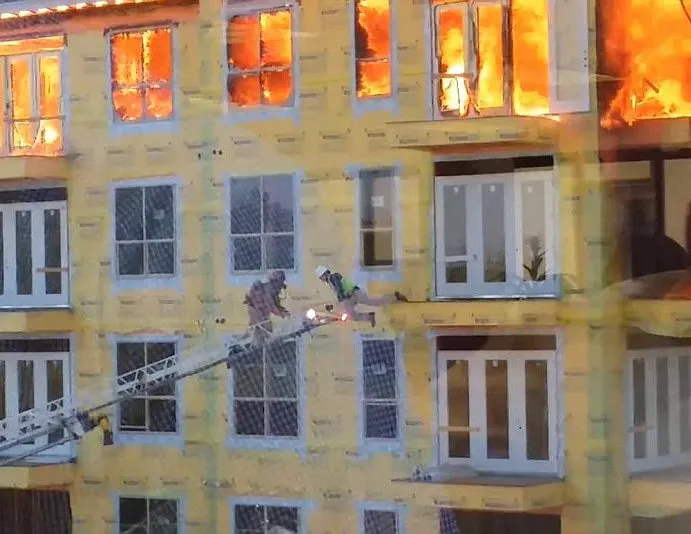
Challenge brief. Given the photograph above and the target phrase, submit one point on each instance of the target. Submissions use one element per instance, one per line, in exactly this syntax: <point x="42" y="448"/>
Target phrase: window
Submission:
<point x="141" y="69"/>
<point x="266" y="519"/>
<point x="32" y="90"/>
<point x="498" y="409"/>
<point x="262" y="224"/>
<point x="33" y="248"/>
<point x="484" y="67"/>
<point x="260" y="58"/>
<point x="34" y="374"/>
<point x="266" y="393"/>
<point x="380" y="522"/>
<point x="372" y="48"/>
<point x="495" y="235"/>
<point x="145" y="231"/>
<point x="148" y="516"/>
<point x="380" y="391"/>
<point x="659" y="406"/>
<point x="377" y="222"/>
<point x="154" y="411"/>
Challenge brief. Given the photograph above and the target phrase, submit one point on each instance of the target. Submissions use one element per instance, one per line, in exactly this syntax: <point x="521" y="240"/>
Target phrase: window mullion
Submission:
<point x="145" y="256"/>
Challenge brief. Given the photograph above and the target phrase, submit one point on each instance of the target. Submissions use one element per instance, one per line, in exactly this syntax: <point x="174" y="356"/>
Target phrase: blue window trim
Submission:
<point x="367" y="447"/>
<point x="363" y="275"/>
<point x="380" y="506"/>
<point x="172" y="282"/>
<point x="171" y="125"/>
<point x="174" y="496"/>
<point x="262" y="113"/>
<point x="303" y="506"/>
<point x="362" y="106"/>
<point x="294" y="278"/>
<point x="143" y="438"/>
<point x="297" y="444"/>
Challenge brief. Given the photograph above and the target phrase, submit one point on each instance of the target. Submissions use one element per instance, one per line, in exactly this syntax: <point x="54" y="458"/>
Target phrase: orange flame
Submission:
<point x="373" y="48"/>
<point x="647" y="47"/>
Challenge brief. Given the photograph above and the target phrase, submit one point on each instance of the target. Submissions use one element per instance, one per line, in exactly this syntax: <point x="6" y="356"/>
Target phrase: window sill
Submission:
<point x="238" y="115"/>
<point x="122" y="285"/>
<point x="374" y="274"/>
<point x="370" y="447"/>
<point x="143" y="128"/>
<point x="499" y="291"/>
<point x="362" y="106"/>
<point x="266" y="443"/>
<point x="156" y="440"/>
<point x="246" y="280"/>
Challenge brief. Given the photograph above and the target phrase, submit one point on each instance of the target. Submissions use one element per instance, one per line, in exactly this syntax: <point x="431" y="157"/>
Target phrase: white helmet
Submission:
<point x="321" y="271"/>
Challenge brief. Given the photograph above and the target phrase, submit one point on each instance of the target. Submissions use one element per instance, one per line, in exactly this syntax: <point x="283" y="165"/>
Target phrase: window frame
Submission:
<point x="145" y="281"/>
<point x="514" y="286"/>
<point x="179" y="500"/>
<point x="35" y="299"/>
<point x="388" y="103"/>
<point x="303" y="508"/>
<point x="296" y="443"/>
<point x="400" y="511"/>
<point x="676" y="457"/>
<point x="125" y="437"/>
<point x="234" y="8"/>
<point x="245" y="278"/>
<point x="369" y="446"/>
<point x="40" y="393"/>
<point x="554" y="465"/>
<point x="145" y="126"/>
<point x="389" y="273"/>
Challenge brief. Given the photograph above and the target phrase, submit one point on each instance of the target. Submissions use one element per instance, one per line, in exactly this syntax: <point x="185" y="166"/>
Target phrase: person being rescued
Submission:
<point x="264" y="299"/>
<point x="350" y="295"/>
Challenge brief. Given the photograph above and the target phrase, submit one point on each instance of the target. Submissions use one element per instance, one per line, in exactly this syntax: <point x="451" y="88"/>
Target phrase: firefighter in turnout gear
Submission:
<point x="350" y="295"/>
<point x="262" y="300"/>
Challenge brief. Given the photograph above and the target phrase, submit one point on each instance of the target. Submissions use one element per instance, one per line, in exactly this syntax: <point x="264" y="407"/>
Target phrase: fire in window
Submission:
<point x="491" y="57"/>
<point x="373" y="48"/>
<point x="260" y="59"/>
<point x="645" y="51"/>
<point x="142" y="75"/>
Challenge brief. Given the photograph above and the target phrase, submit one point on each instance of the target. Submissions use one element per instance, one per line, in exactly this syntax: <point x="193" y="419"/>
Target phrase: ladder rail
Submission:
<point x="167" y="371"/>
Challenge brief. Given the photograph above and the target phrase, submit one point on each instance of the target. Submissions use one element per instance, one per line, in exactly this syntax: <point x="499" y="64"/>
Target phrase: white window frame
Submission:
<point x="652" y="461"/>
<point x="293" y="443"/>
<point x="369" y="445"/>
<point x="245" y="278"/>
<point x="126" y="437"/>
<point x="303" y="507"/>
<point x="40" y="360"/>
<point x="145" y="125"/>
<point x="517" y="462"/>
<point x="36" y="118"/>
<point x="574" y="39"/>
<point x="234" y="8"/>
<point x="514" y="286"/>
<point x="179" y="501"/>
<point x="147" y="281"/>
<point x="38" y="298"/>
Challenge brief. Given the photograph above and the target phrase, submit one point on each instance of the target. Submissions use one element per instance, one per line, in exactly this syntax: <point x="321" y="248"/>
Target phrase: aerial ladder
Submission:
<point x="71" y="414"/>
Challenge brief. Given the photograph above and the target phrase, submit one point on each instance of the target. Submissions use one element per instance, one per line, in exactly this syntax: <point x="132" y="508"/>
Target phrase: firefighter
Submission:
<point x="351" y="295"/>
<point x="262" y="300"/>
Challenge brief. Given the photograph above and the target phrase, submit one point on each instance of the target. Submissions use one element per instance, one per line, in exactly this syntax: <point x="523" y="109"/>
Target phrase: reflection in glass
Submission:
<point x="497" y="399"/>
<point x="458" y="402"/>
<point x="537" y="413"/>
<point x="639" y="408"/>
<point x="493" y="233"/>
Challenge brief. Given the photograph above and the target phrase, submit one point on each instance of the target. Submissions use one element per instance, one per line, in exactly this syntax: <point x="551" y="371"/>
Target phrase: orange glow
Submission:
<point x="474" y="79"/>
<point x="373" y="48"/>
<point x="141" y="72"/>
<point x="647" y="47"/>
<point x="260" y="59"/>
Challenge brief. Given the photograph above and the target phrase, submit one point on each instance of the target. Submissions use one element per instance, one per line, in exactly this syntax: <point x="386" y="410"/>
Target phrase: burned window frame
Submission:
<point x="247" y="8"/>
<point x="112" y="86"/>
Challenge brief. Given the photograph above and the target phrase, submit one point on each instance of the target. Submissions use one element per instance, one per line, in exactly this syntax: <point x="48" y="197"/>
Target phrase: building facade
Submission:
<point x="516" y="167"/>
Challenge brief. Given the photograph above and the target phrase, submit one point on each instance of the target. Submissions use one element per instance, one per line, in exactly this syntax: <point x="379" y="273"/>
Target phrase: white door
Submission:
<point x="498" y="410"/>
<point x="32" y="380"/>
<point x="34" y="254"/>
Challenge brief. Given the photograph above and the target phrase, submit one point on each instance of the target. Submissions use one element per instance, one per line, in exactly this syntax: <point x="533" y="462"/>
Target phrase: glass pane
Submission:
<point x="380" y="522"/>
<point x="373" y="45"/>
<point x="49" y="86"/>
<point x="373" y="78"/>
<point x="130" y="356"/>
<point x="536" y="410"/>
<point x="249" y="518"/>
<point x="128" y="103"/>
<point x="685" y="402"/>
<point x="490" y="24"/>
<point x="163" y="516"/>
<point x="283" y="516"/>
<point x="245" y="206"/>
<point x="55" y="379"/>
<point x="242" y="48"/>
<point x="52" y="242"/>
<point x="276" y="39"/>
<point x="25" y="267"/>
<point x="131" y="259"/>
<point x="455" y="220"/>
<point x="283" y="418"/>
<point x="162" y="416"/>
<point x="379" y="369"/>
<point x="280" y="252"/>
<point x="530" y="57"/>
<point x="159" y="212"/>
<point x="249" y="418"/>
<point x="662" y="393"/>
<point x="534" y="236"/>
<point x="281" y="371"/>
<point x="493" y="233"/>
<point x="244" y="90"/>
<point x="248" y="378"/>
<point x="22" y="92"/>
<point x="160" y="258"/>
<point x="129" y="217"/>
<point x="456" y="272"/>
<point x="458" y="405"/>
<point x="133" y="415"/>
<point x="278" y="204"/>
<point x="132" y="511"/>
<point x="277" y="87"/>
<point x="247" y="253"/>
<point x="127" y="75"/>
<point x="25" y="384"/>
<point x="376" y="199"/>
<point x="381" y="421"/>
<point x="158" y="102"/>
<point x="497" y="398"/>
<point x="2" y="254"/>
<point x="377" y="248"/>
<point x="639" y="408"/>
<point x="3" y="390"/>
<point x="157" y="57"/>
<point x="451" y="50"/>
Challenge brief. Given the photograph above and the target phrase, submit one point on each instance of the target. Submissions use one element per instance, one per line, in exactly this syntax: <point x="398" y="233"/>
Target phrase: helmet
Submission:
<point x="278" y="278"/>
<point x="321" y="271"/>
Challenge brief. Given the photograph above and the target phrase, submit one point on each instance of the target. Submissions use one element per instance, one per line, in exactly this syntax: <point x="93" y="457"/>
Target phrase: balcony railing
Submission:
<point x="32" y="136"/>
